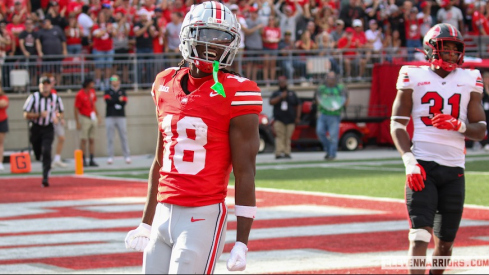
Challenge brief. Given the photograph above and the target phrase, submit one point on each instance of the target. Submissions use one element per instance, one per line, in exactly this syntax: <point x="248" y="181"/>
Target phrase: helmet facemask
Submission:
<point x="204" y="39"/>
<point x="437" y="50"/>
<point x="208" y="44"/>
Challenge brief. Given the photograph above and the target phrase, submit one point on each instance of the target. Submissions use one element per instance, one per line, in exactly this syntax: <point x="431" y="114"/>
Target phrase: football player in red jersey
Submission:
<point x="445" y="104"/>
<point x="205" y="131"/>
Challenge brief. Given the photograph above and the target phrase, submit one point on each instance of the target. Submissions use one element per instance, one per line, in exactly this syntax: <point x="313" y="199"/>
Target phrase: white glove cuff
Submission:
<point x="245" y="211"/>
<point x="241" y="246"/>
<point x="462" y="128"/>
<point x="144" y="226"/>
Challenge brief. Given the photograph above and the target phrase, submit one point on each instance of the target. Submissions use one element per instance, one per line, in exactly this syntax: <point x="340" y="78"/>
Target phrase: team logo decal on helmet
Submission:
<point x="210" y="31"/>
<point x="433" y="46"/>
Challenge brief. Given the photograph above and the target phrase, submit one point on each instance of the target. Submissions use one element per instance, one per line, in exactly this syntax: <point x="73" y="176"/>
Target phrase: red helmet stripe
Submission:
<point x="453" y="32"/>
<point x="219" y="10"/>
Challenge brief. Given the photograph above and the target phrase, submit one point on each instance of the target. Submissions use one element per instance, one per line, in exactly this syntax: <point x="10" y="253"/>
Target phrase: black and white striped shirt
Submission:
<point x="36" y="103"/>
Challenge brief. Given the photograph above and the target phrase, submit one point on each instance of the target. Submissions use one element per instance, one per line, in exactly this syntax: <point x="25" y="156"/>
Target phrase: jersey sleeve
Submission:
<point x="247" y="99"/>
<point x="159" y="79"/>
<point x="404" y="80"/>
<point x="476" y="81"/>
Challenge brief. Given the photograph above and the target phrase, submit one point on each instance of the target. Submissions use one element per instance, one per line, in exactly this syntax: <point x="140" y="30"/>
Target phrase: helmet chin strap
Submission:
<point x="205" y="67"/>
<point x="446" y="66"/>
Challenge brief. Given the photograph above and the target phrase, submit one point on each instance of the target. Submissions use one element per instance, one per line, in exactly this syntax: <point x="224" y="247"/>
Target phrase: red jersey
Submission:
<point x="343" y="42"/>
<point x="478" y="20"/>
<point x="158" y="41"/>
<point x="195" y="129"/>
<point x="15" y="30"/>
<point x="361" y="37"/>
<point x="3" y="111"/>
<point x="271" y="34"/>
<point x="413" y="28"/>
<point x="85" y="102"/>
<point x="73" y="35"/>
<point x="105" y="42"/>
<point x="74" y="7"/>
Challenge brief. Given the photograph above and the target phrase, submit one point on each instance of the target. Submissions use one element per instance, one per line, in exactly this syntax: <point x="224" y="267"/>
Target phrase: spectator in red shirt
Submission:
<point x="348" y="41"/>
<point x="129" y="11"/>
<point x="412" y="26"/>
<point x="480" y="24"/>
<point x="18" y="7"/>
<point x="15" y="28"/>
<point x="73" y="33"/>
<point x="7" y="49"/>
<point x="122" y="43"/>
<point x="271" y="35"/>
<point x="364" y="51"/>
<point x="159" y="23"/>
<point x="87" y="118"/>
<point x="75" y="7"/>
<point x="3" y="122"/>
<point x="103" y="49"/>
<point x="160" y="29"/>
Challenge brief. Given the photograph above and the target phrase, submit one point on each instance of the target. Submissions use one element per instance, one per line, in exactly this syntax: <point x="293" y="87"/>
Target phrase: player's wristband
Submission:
<point x="245" y="211"/>
<point x="462" y="128"/>
<point x="409" y="159"/>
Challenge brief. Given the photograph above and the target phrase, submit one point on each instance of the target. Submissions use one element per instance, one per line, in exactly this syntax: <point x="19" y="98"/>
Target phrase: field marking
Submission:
<point x="335" y="229"/>
<point x="346" y="196"/>
<point x="474" y="206"/>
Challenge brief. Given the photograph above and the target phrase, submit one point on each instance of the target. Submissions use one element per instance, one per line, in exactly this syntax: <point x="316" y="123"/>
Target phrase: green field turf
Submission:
<point x="364" y="178"/>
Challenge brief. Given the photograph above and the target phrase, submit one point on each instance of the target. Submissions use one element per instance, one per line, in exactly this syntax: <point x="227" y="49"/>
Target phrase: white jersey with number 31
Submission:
<point x="433" y="94"/>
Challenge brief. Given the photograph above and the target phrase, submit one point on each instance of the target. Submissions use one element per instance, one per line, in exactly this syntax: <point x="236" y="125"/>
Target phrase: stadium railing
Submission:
<point x="138" y="71"/>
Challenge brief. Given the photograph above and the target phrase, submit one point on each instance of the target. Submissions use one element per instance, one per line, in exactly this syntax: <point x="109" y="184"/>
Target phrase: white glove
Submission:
<point x="237" y="260"/>
<point x="138" y="238"/>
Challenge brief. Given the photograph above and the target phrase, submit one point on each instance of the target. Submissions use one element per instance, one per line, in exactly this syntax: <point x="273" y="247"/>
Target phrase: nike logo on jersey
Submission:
<point x="196" y="220"/>
<point x="213" y="94"/>
<point x="460" y="175"/>
<point x="162" y="88"/>
<point x="458" y="85"/>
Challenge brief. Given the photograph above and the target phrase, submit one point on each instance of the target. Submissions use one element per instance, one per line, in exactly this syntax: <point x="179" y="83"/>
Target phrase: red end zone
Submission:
<point x="79" y="223"/>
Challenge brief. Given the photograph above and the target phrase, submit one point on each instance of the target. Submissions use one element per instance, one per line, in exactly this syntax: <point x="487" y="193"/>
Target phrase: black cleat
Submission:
<point x="93" y="164"/>
<point x="287" y="156"/>
<point x="45" y="183"/>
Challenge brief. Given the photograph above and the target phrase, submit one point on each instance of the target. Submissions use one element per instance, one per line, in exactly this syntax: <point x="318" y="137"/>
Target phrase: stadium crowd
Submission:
<point x="45" y="32"/>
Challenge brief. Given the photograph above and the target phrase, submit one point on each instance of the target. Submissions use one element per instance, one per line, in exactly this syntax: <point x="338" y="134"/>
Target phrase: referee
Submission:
<point x="42" y="109"/>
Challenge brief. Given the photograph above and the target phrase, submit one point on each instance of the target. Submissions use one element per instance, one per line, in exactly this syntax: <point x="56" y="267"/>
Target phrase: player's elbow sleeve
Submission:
<point x="396" y="125"/>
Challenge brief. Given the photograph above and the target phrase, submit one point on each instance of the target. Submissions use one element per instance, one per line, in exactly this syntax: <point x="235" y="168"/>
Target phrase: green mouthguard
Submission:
<point x="217" y="86"/>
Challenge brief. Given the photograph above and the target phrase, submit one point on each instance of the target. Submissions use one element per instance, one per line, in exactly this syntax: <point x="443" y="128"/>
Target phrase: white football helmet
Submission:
<point x="207" y="30"/>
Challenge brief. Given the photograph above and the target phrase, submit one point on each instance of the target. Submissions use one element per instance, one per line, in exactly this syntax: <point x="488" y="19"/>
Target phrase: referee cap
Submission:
<point x="44" y="79"/>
